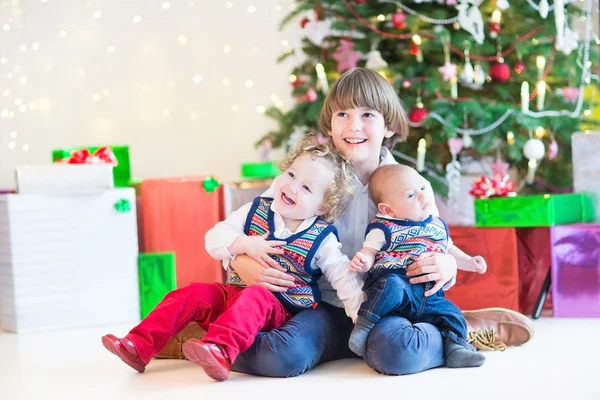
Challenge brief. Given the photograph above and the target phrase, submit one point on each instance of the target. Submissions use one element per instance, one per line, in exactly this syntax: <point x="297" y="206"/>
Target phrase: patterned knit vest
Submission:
<point x="406" y="240"/>
<point x="296" y="259"/>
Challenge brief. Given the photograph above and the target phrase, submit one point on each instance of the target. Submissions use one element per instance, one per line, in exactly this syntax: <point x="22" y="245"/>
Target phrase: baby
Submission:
<point x="403" y="229"/>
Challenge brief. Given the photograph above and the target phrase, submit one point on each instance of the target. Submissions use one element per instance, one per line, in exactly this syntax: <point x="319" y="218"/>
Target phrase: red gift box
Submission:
<point x="499" y="286"/>
<point x="533" y="246"/>
<point x="176" y="214"/>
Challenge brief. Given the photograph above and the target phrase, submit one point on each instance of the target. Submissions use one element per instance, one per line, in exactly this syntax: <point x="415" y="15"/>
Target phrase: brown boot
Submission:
<point x="173" y="349"/>
<point x="497" y="328"/>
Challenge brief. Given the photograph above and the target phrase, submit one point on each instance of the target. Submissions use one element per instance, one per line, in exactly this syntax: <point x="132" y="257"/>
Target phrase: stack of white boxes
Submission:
<point x="68" y="260"/>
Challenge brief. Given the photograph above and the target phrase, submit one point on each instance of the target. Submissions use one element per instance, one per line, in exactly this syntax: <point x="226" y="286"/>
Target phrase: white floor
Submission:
<point x="560" y="363"/>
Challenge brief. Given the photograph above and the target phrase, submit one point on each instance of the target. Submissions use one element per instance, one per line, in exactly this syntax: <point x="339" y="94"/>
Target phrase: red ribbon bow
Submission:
<point x="497" y="186"/>
<point x="104" y="155"/>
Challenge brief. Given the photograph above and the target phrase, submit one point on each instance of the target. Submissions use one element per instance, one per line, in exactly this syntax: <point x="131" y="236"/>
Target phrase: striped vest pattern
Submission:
<point x="406" y="240"/>
<point x="296" y="259"/>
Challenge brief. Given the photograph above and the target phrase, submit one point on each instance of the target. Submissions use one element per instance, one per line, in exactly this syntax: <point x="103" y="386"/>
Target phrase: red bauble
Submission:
<point x="399" y="20"/>
<point x="417" y="114"/>
<point x="519" y="67"/>
<point x="360" y="1"/>
<point x="495" y="28"/>
<point x="304" y="22"/>
<point x="500" y="72"/>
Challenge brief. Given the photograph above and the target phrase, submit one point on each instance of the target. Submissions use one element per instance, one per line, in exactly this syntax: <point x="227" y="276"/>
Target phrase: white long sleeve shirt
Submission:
<point x="328" y="258"/>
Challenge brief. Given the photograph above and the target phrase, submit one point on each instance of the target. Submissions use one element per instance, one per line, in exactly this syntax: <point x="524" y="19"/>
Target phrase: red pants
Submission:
<point x="232" y="317"/>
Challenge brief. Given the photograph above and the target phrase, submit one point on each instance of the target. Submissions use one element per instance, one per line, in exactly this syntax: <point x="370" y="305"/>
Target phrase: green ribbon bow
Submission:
<point x="123" y="206"/>
<point x="210" y="184"/>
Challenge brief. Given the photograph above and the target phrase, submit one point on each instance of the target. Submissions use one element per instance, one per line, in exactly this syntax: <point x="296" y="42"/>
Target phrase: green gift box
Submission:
<point x="156" y="274"/>
<point x="259" y="170"/>
<point x="121" y="173"/>
<point x="535" y="210"/>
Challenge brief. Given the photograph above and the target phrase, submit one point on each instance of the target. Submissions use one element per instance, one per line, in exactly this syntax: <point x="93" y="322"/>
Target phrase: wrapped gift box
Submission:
<point x="586" y="165"/>
<point x="576" y="270"/>
<point x="536" y="210"/>
<point x="499" y="286"/>
<point x="176" y="214"/>
<point x="121" y="173"/>
<point x="236" y="194"/>
<point x="68" y="261"/>
<point x="259" y="170"/>
<point x="535" y="258"/>
<point x="157" y="278"/>
<point x="63" y="178"/>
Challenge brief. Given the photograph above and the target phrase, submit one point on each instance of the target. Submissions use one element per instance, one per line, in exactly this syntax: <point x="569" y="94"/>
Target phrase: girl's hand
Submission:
<point x="259" y="248"/>
<point x="432" y="267"/>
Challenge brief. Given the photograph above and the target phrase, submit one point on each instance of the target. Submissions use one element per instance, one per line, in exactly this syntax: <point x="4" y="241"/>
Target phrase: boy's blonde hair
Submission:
<point x="341" y="189"/>
<point x="361" y="87"/>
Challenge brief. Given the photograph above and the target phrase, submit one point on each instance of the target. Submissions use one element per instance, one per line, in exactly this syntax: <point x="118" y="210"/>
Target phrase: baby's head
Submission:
<point x="401" y="192"/>
<point x="315" y="180"/>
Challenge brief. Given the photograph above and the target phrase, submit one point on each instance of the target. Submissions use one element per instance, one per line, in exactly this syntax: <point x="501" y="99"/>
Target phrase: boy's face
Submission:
<point x="406" y="196"/>
<point x="300" y="190"/>
<point x="358" y="133"/>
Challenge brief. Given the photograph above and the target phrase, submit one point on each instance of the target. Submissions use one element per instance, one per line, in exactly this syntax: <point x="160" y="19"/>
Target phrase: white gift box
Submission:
<point x="63" y="178"/>
<point x="586" y="164"/>
<point x="68" y="261"/>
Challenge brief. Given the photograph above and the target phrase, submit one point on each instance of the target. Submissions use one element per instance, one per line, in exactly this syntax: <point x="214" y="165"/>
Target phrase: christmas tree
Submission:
<point x="503" y="78"/>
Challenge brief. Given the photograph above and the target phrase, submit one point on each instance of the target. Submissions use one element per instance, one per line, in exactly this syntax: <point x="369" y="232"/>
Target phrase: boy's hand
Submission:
<point x="362" y="262"/>
<point x="259" y="249"/>
<point x="475" y="264"/>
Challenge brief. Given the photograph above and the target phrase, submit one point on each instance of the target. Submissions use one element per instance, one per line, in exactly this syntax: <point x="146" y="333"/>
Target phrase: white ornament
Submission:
<point x="543" y="8"/>
<point x="317" y="31"/>
<point x="467" y="140"/>
<point x="375" y="61"/>
<point x="566" y="39"/>
<point x="466" y="75"/>
<point x="470" y="19"/>
<point x="502" y="4"/>
<point x="534" y="148"/>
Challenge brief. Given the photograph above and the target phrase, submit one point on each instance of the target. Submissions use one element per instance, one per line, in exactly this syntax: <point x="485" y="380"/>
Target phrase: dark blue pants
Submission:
<point x="390" y="293"/>
<point x="312" y="337"/>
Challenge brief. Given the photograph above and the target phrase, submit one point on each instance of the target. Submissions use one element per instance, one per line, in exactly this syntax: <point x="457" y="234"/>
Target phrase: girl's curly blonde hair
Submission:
<point x="341" y="189"/>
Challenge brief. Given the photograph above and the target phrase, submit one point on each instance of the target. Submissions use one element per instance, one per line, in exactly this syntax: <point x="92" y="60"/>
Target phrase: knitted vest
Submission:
<point x="296" y="258"/>
<point x="406" y="240"/>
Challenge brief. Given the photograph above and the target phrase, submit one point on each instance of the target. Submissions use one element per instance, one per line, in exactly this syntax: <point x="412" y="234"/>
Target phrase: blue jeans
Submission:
<point x="389" y="292"/>
<point x="312" y="337"/>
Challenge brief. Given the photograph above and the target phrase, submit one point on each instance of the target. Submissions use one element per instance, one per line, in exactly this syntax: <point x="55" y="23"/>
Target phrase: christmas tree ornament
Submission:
<point x="467" y="73"/>
<point x="552" y="149"/>
<point x="543" y="8"/>
<point x="502" y="4"/>
<point x="525" y="97"/>
<point x="570" y="94"/>
<point x="495" y="23"/>
<point x="304" y="22"/>
<point x="499" y="71"/>
<point x="415" y="48"/>
<point x="310" y="96"/>
<point x="421" y="151"/>
<point x="264" y="150"/>
<point x="533" y="150"/>
<point x="375" y="61"/>
<point x="399" y="20"/>
<point x="317" y="31"/>
<point x="418" y="113"/>
<point x="296" y="81"/>
<point x="345" y="55"/>
<point x="453" y="174"/>
<point x="406" y="84"/>
<point x="448" y="70"/>
<point x="470" y="19"/>
<point x="467" y="140"/>
<point x="519" y="67"/>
